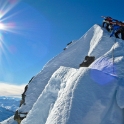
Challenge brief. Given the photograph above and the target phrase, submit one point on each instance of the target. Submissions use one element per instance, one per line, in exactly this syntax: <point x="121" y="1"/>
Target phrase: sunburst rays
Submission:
<point x="5" y="26"/>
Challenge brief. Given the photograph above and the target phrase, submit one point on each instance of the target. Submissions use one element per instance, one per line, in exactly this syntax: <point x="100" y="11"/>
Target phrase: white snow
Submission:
<point x="63" y="93"/>
<point x="71" y="57"/>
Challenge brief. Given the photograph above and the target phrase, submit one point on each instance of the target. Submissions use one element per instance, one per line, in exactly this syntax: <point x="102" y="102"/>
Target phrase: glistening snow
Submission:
<point x="63" y="93"/>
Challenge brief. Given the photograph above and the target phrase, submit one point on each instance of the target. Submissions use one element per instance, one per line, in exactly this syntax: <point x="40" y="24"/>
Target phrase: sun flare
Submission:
<point x="6" y="25"/>
<point x="2" y="26"/>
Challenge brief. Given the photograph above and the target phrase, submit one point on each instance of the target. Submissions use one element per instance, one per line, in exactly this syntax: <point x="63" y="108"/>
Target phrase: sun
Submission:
<point x="2" y="26"/>
<point x="5" y="7"/>
<point x="5" y="25"/>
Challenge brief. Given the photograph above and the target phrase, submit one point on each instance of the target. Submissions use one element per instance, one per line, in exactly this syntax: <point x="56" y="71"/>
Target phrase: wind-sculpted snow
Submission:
<point x="63" y="93"/>
<point x="79" y="96"/>
<point x="50" y="94"/>
<point x="71" y="57"/>
<point x="112" y="61"/>
<point x="91" y="101"/>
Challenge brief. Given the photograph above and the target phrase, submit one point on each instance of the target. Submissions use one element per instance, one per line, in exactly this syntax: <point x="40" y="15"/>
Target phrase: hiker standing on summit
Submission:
<point x="107" y="21"/>
<point x="116" y="29"/>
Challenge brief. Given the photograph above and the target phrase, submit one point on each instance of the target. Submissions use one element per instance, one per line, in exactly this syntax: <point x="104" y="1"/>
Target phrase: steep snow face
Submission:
<point x="71" y="57"/>
<point x="95" y="87"/>
<point x="85" y="101"/>
<point x="50" y="94"/>
<point x="112" y="61"/>
<point x="63" y="93"/>
<point x="79" y="96"/>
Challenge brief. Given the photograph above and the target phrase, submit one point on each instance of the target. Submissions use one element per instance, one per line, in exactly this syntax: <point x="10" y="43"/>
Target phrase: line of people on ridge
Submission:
<point x="114" y="26"/>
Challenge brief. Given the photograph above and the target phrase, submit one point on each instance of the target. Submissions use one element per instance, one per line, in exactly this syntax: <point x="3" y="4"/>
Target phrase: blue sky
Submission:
<point x="42" y="28"/>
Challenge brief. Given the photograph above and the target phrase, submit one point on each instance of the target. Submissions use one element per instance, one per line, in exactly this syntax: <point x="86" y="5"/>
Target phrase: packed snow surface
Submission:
<point x="63" y="93"/>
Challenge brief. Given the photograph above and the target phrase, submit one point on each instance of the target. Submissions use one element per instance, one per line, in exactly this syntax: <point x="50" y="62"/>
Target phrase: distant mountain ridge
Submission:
<point x="8" y="106"/>
<point x="5" y="113"/>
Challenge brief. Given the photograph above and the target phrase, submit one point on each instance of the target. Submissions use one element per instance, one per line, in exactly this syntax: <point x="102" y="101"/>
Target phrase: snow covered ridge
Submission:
<point x="63" y="93"/>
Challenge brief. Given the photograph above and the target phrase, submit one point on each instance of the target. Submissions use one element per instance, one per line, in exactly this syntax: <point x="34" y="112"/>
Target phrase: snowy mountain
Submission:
<point x="8" y="106"/>
<point x="64" y="93"/>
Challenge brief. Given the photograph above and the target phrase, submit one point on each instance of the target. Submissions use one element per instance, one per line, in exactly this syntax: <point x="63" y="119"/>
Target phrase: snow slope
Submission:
<point x="71" y="57"/>
<point x="63" y="93"/>
<point x="84" y="101"/>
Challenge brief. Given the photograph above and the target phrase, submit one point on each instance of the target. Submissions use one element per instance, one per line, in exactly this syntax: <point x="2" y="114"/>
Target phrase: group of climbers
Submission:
<point x="114" y="26"/>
